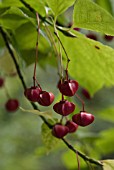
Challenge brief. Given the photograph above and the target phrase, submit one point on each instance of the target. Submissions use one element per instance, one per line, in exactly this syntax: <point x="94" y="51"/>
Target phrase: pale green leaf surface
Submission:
<point x="91" y="16"/>
<point x="92" y="63"/>
<point x="106" y="4"/>
<point x="59" y="6"/>
<point x="37" y="5"/>
<point x="108" y="164"/>
<point x="7" y="3"/>
<point x="48" y="139"/>
<point x="13" y="18"/>
<point x="47" y="114"/>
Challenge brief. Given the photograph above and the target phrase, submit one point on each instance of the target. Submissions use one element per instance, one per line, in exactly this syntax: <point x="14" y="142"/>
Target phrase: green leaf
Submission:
<point x="91" y="62"/>
<point x="46" y="114"/>
<point x="14" y="17"/>
<point x="108" y="164"/>
<point x="9" y="3"/>
<point x="69" y="159"/>
<point x="89" y="15"/>
<point x="38" y="5"/>
<point x="106" y="4"/>
<point x="48" y="139"/>
<point x="105" y="114"/>
<point x="59" y="6"/>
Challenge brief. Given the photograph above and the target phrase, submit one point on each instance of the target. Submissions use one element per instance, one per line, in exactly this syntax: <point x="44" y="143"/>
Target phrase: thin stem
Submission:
<point x="54" y="45"/>
<point x="68" y="60"/>
<point x="78" y="160"/>
<point x="83" y="103"/>
<point x="60" y="51"/>
<point x="37" y="42"/>
<point x="93" y="161"/>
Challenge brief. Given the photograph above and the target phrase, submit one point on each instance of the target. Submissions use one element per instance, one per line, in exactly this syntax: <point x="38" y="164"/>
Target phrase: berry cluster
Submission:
<point x="36" y="94"/>
<point x="11" y="104"/>
<point x="64" y="108"/>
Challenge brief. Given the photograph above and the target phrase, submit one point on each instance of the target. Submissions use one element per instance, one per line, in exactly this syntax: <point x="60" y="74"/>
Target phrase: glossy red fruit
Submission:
<point x="92" y="36"/>
<point x="64" y="107"/>
<point x="68" y="87"/>
<point x="46" y="98"/>
<point x="32" y="93"/>
<point x="12" y="105"/>
<point x="72" y="126"/>
<point x="83" y="118"/>
<point x="86" y="94"/>
<point x="108" y="37"/>
<point x="59" y="131"/>
<point x="1" y="82"/>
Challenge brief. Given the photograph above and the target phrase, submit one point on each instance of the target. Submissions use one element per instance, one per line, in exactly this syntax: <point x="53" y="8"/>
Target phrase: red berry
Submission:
<point x="92" y="36"/>
<point x="12" y="105"/>
<point x="108" y="37"/>
<point x="32" y="93"/>
<point x="72" y="126"/>
<point x="64" y="107"/>
<point x="83" y="118"/>
<point x="76" y="29"/>
<point x="60" y="131"/>
<point x="1" y="82"/>
<point x="68" y="87"/>
<point x="46" y="98"/>
<point x="86" y="93"/>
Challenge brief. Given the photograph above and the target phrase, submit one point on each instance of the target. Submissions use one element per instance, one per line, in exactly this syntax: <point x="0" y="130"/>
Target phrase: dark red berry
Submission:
<point x="1" y="82"/>
<point x="108" y="37"/>
<point x="86" y="93"/>
<point x="92" y="36"/>
<point x="83" y="118"/>
<point x="46" y="98"/>
<point x="32" y="93"/>
<point x="68" y="87"/>
<point x="12" y="105"/>
<point x="76" y="29"/>
<point x="72" y="126"/>
<point x="64" y="107"/>
<point x="59" y="131"/>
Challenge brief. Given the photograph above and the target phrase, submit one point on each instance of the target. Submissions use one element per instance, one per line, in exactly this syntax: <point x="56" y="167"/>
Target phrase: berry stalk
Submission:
<point x="68" y="60"/>
<point x="83" y="103"/>
<point x="58" y="53"/>
<point x="78" y="160"/>
<point x="37" y="41"/>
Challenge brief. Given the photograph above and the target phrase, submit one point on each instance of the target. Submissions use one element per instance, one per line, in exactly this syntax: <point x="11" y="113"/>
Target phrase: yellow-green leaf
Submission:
<point x="47" y="114"/>
<point x="48" y="139"/>
<point x="91" y="16"/>
<point x="108" y="164"/>
<point x="59" y="6"/>
<point x="92" y="63"/>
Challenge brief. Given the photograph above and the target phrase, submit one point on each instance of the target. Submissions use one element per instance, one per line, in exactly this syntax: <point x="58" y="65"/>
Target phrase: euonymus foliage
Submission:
<point x="91" y="62"/>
